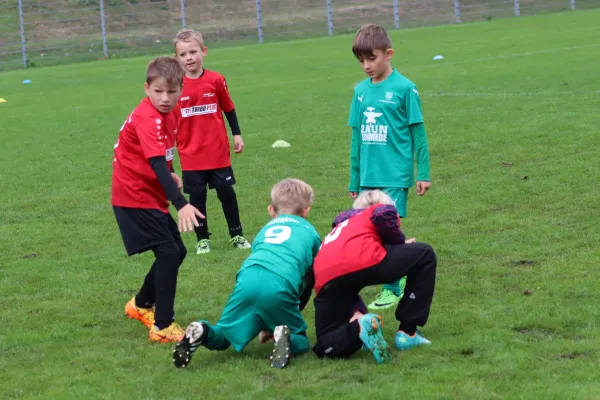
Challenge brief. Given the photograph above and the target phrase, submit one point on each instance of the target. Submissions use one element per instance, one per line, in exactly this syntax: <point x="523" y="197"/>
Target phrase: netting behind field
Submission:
<point x="36" y="32"/>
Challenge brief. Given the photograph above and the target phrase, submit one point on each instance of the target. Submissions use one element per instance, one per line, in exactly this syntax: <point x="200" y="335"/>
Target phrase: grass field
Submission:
<point x="513" y="122"/>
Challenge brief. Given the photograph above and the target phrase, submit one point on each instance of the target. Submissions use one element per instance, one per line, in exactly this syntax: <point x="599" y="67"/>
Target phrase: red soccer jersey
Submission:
<point x="351" y="246"/>
<point x="202" y="141"/>
<point x="145" y="134"/>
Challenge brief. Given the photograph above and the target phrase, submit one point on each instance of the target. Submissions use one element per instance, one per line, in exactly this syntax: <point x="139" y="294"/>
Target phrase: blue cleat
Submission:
<point x="372" y="337"/>
<point x="402" y="341"/>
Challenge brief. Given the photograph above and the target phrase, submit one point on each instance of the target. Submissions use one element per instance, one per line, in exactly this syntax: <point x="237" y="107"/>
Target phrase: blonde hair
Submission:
<point x="187" y="36"/>
<point x="370" y="38"/>
<point x="166" y="68"/>
<point x="369" y="198"/>
<point x="291" y="196"/>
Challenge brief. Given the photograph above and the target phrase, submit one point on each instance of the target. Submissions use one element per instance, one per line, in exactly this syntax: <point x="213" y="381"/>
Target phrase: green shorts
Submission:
<point x="260" y="300"/>
<point x="398" y="195"/>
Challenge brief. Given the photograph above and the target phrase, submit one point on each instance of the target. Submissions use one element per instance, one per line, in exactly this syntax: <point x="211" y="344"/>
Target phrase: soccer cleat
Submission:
<point x="385" y="299"/>
<point x="240" y="242"/>
<point x="402" y="341"/>
<point x="372" y="338"/>
<point x="182" y="355"/>
<point x="203" y="246"/>
<point x="282" y="352"/>
<point x="172" y="333"/>
<point x="144" y="315"/>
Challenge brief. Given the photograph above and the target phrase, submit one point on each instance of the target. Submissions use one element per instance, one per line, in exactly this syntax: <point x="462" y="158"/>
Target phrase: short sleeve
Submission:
<point x="412" y="104"/>
<point x="223" y="94"/>
<point x="151" y="133"/>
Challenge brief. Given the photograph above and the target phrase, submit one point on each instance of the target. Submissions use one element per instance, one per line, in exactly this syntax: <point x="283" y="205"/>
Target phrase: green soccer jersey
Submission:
<point x="287" y="246"/>
<point x="383" y="146"/>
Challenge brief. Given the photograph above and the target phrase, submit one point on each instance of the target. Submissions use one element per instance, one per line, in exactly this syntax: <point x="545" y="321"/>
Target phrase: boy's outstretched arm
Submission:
<point x="160" y="168"/>
<point x="387" y="224"/>
<point x="188" y="214"/>
<point x="309" y="283"/>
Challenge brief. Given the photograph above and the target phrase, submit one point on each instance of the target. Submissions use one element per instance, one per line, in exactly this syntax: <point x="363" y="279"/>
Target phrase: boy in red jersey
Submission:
<point x="202" y="141"/>
<point x="143" y="183"/>
<point x="365" y="248"/>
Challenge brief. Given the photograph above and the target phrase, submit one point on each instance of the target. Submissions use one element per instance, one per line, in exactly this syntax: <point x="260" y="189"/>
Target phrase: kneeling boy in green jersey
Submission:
<point x="272" y="286"/>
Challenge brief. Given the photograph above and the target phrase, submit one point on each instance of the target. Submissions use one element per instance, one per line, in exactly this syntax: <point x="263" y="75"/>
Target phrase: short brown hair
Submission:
<point x="370" y="38"/>
<point x="187" y="35"/>
<point x="166" y="68"/>
<point x="291" y="196"/>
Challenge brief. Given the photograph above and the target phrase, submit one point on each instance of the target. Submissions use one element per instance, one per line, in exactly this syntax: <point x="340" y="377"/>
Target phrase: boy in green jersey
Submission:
<point x="387" y="133"/>
<point x="272" y="286"/>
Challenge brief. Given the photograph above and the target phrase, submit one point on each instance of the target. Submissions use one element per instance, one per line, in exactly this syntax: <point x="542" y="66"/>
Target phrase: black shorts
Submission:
<point x="142" y="228"/>
<point x="196" y="181"/>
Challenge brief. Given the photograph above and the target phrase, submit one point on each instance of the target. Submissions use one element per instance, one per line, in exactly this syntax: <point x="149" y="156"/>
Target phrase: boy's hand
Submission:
<point x="411" y="240"/>
<point x="238" y="144"/>
<point x="264" y="336"/>
<point x="188" y="218"/>
<point x="422" y="187"/>
<point x="354" y="195"/>
<point x="177" y="180"/>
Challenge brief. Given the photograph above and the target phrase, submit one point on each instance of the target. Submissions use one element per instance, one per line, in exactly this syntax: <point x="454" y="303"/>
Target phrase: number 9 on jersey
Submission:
<point x="278" y="234"/>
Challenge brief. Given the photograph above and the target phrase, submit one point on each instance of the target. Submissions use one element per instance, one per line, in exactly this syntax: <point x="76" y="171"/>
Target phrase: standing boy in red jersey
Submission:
<point x="143" y="183"/>
<point x="202" y="141"/>
<point x="365" y="248"/>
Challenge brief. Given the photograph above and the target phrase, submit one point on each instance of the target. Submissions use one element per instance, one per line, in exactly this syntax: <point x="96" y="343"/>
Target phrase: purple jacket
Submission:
<point x="386" y="221"/>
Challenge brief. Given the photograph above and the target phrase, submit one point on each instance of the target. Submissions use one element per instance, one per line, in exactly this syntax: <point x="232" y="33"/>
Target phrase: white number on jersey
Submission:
<point x="335" y="233"/>
<point x="277" y="234"/>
